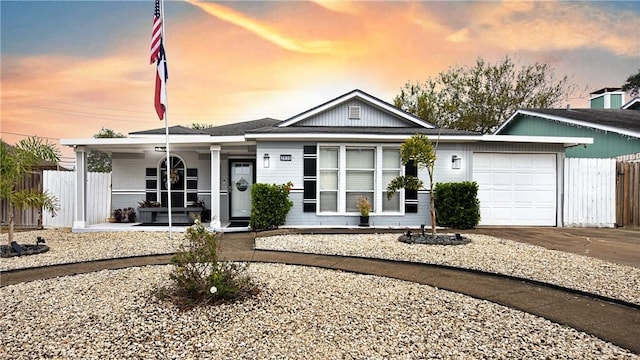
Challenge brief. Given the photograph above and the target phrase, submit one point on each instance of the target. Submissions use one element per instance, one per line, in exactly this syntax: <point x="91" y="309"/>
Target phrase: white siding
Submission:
<point x="280" y="172"/>
<point x="589" y="192"/>
<point x="370" y="117"/>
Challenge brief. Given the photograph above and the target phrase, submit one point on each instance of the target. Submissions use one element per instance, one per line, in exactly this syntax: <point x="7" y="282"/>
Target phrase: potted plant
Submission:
<point x="117" y="215"/>
<point x="364" y="207"/>
<point x="206" y="213"/>
<point x="130" y="215"/>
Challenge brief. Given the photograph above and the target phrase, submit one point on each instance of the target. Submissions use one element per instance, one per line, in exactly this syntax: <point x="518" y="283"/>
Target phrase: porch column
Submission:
<point x="80" y="213"/>
<point x="215" y="186"/>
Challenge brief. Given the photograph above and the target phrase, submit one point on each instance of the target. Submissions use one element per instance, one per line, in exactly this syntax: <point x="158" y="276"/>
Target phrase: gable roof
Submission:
<point x="633" y="104"/>
<point x="362" y="96"/>
<point x="625" y="122"/>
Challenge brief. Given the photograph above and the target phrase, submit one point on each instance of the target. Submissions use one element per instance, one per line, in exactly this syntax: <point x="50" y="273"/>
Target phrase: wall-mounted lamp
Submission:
<point x="456" y="162"/>
<point x="267" y="160"/>
<point x="160" y="149"/>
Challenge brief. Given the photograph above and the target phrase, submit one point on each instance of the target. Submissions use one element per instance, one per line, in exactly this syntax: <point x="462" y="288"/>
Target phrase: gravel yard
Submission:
<point x="484" y="253"/>
<point x="302" y="313"/>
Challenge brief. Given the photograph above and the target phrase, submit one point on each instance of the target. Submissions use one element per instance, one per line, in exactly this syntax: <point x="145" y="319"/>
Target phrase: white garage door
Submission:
<point x="516" y="189"/>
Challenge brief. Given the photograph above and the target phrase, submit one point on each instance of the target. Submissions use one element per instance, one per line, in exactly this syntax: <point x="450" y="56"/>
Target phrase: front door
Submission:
<point x="242" y="178"/>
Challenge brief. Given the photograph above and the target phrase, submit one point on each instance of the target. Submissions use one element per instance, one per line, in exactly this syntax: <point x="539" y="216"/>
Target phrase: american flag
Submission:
<point x="158" y="55"/>
<point x="156" y="35"/>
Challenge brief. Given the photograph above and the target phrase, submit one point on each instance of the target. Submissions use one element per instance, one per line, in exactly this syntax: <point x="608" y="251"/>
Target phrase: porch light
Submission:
<point x="456" y="162"/>
<point x="267" y="161"/>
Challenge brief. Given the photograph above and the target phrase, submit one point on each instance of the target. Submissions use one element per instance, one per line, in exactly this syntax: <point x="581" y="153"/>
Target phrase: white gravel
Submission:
<point x="67" y="247"/>
<point x="483" y="253"/>
<point x="302" y="313"/>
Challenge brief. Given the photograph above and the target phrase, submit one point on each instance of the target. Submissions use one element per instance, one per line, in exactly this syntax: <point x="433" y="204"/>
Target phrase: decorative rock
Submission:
<point x="302" y="313"/>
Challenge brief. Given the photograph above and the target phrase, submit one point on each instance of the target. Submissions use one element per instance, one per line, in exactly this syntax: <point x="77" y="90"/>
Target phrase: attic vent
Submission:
<point x="354" y="112"/>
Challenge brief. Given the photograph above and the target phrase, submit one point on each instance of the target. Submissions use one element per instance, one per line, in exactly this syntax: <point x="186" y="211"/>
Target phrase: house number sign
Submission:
<point x="285" y="157"/>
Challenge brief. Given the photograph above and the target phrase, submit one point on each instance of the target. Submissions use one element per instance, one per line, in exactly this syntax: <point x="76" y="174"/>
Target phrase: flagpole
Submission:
<point x="166" y="131"/>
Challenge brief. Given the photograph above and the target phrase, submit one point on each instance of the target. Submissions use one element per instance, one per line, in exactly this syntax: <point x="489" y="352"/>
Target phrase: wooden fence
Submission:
<point x="62" y="185"/>
<point x="628" y="193"/>
<point x="25" y="218"/>
<point x="589" y="192"/>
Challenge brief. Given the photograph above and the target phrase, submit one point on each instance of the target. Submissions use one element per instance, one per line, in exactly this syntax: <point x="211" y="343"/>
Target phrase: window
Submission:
<point x="347" y="172"/>
<point x="391" y="168"/>
<point x="328" y="175"/>
<point x="360" y="175"/>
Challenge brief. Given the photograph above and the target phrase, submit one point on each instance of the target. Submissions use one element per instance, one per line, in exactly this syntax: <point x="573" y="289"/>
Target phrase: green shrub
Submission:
<point x="270" y="205"/>
<point x="198" y="278"/>
<point x="457" y="204"/>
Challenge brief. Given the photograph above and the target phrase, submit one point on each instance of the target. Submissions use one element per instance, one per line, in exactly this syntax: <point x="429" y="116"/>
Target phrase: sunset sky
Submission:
<point x="69" y="68"/>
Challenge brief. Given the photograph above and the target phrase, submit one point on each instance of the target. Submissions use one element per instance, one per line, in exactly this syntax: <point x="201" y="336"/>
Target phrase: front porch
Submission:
<point x="115" y="227"/>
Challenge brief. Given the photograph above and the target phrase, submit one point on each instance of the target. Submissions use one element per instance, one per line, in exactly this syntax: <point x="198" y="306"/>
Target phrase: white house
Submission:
<point x="333" y="153"/>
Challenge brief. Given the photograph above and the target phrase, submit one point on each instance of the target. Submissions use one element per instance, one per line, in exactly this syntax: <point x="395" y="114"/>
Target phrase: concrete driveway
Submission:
<point x="621" y="246"/>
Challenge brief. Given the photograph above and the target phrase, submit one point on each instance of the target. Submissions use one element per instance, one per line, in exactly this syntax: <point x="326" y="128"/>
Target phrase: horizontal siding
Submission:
<point x="370" y="117"/>
<point x="280" y="172"/>
<point x="605" y="144"/>
<point x="297" y="217"/>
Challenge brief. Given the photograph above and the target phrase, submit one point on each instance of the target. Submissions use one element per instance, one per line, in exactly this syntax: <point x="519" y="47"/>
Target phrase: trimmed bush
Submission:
<point x="200" y="279"/>
<point x="457" y="204"/>
<point x="270" y="205"/>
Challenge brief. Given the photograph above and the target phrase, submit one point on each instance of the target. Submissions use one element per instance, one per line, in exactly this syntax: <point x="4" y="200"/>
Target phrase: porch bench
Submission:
<point x="157" y="215"/>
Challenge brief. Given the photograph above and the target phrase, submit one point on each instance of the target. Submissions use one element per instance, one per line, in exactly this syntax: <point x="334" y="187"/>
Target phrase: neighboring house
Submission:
<point x="615" y="130"/>
<point x="333" y="153"/>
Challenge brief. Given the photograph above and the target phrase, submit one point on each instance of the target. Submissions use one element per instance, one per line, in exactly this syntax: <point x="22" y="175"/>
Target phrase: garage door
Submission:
<point x="516" y="189"/>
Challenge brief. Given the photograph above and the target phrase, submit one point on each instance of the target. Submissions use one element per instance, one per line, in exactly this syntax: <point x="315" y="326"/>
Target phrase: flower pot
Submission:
<point x="364" y="221"/>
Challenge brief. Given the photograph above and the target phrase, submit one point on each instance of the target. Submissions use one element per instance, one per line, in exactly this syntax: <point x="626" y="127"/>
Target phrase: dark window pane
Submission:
<point x="309" y="167"/>
<point x="309" y="189"/>
<point x="151" y="196"/>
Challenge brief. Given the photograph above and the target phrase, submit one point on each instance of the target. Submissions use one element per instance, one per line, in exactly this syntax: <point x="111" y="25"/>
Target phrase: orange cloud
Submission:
<point x="265" y="31"/>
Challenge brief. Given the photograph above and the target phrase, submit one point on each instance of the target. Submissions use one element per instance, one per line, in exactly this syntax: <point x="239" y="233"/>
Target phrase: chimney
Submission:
<point x="606" y="98"/>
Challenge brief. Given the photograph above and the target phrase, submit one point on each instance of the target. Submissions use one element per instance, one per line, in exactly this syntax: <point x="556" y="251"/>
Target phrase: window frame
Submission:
<point x="379" y="189"/>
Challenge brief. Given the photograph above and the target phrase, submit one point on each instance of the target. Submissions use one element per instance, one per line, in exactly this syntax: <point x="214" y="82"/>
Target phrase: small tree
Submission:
<point x="99" y="161"/>
<point x="18" y="161"/>
<point x="416" y="149"/>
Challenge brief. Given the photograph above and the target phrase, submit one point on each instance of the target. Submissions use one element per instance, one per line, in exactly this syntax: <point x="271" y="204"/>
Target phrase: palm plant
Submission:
<point x="18" y="161"/>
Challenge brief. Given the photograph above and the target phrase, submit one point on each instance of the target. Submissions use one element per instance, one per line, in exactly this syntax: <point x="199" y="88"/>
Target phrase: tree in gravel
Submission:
<point x="479" y="98"/>
<point x="418" y="150"/>
<point x="17" y="162"/>
<point x="99" y="161"/>
<point x="633" y="84"/>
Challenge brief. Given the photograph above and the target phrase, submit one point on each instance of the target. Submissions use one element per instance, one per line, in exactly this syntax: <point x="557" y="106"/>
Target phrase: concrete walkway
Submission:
<point x="615" y="321"/>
